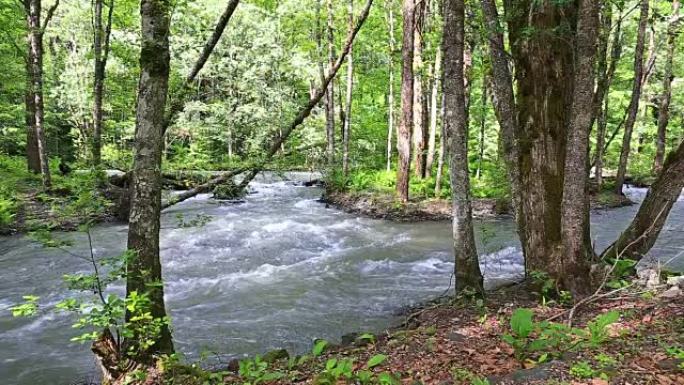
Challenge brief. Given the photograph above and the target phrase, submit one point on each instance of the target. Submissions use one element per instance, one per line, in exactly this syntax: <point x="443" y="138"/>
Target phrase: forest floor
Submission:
<point x="382" y="205"/>
<point x="462" y="342"/>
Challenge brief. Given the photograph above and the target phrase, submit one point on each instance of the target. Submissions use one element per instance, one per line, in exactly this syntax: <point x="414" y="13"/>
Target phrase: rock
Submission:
<point x="275" y="355"/>
<point x="234" y="365"/>
<point x="228" y="191"/>
<point x="649" y="278"/>
<point x="672" y="292"/>
<point x="456" y="337"/>
<point x="677" y="280"/>
<point x="542" y="372"/>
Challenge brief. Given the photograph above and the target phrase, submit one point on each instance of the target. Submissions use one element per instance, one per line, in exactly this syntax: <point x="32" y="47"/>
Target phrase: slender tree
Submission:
<point x="346" y="131"/>
<point x="406" y="123"/>
<point x="633" y="108"/>
<point x="389" y="6"/>
<point x="36" y="31"/>
<point x="420" y="113"/>
<point x="666" y="97"/>
<point x="467" y="267"/>
<point x="101" y="36"/>
<point x="434" y="109"/>
<point x="145" y="270"/>
<point x="330" y="94"/>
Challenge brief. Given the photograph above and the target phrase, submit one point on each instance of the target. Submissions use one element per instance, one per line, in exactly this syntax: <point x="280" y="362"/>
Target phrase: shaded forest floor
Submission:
<point x="460" y="342"/>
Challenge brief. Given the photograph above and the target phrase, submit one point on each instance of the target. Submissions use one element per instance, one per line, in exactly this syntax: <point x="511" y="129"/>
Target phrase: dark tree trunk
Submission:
<point x="420" y="115"/>
<point x="643" y="232"/>
<point x="483" y="123"/>
<point x="390" y="93"/>
<point x="346" y="131"/>
<point x="577" y="251"/>
<point x="636" y="95"/>
<point x="664" y="108"/>
<point x="101" y="37"/>
<point x="330" y="94"/>
<point x="32" y="155"/>
<point x="504" y="103"/>
<point x="36" y="30"/>
<point x="406" y="123"/>
<point x="434" y="109"/>
<point x="145" y="270"/>
<point x="467" y="267"/>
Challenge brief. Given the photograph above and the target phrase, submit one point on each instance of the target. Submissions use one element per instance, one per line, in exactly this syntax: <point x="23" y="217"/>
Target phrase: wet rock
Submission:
<point x="349" y="339"/>
<point x="228" y="191"/>
<point x="234" y="365"/>
<point x="276" y="355"/>
<point x="676" y="281"/>
<point x="524" y="376"/>
<point x="672" y="292"/>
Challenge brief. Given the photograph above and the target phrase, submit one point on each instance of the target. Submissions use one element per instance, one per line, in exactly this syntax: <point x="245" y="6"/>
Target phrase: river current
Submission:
<point x="276" y="271"/>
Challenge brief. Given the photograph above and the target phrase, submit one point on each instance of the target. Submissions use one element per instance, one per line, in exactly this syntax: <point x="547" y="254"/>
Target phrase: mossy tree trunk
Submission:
<point x="145" y="270"/>
<point x="406" y="123"/>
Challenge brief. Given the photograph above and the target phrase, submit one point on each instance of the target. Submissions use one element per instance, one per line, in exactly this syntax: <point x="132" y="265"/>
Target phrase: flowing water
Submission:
<point x="275" y="271"/>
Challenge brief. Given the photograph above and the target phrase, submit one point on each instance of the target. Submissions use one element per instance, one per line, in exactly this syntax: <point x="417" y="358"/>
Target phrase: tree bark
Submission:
<point x="434" y="100"/>
<point x="664" y="108"/>
<point x="36" y="30"/>
<point x="604" y="86"/>
<point x="101" y="37"/>
<point x="442" y="148"/>
<point x="483" y="123"/>
<point x="636" y="95"/>
<point x="406" y="123"/>
<point x="145" y="270"/>
<point x="577" y="251"/>
<point x="390" y="92"/>
<point x="467" y="267"/>
<point x="420" y="113"/>
<point x="330" y="94"/>
<point x="32" y="155"/>
<point x="348" y="102"/>
<point x="504" y="103"/>
<point x="643" y="231"/>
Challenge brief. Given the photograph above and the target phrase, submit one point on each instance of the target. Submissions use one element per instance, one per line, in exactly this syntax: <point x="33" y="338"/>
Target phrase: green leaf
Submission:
<point x="521" y="322"/>
<point x="376" y="360"/>
<point x="331" y="363"/>
<point x="319" y="347"/>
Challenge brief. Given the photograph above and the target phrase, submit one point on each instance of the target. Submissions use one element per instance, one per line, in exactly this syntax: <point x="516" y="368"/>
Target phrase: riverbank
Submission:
<point x="630" y="335"/>
<point x="382" y="205"/>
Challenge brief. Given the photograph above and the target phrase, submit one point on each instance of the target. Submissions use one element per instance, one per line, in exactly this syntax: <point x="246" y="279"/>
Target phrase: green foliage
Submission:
<point x="319" y="347"/>
<point x="376" y="360"/>
<point x="540" y="339"/>
<point x="256" y="371"/>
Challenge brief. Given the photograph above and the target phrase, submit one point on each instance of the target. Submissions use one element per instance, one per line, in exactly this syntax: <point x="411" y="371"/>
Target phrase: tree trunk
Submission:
<point x="442" y="147"/>
<point x="101" y="51"/>
<point x="145" y="270"/>
<point x="350" y="88"/>
<point x="504" y="103"/>
<point x="467" y="267"/>
<point x="483" y="123"/>
<point x="636" y="95"/>
<point x="577" y="251"/>
<point x="642" y="233"/>
<point x="664" y="108"/>
<point x="36" y="29"/>
<point x="390" y="94"/>
<point x="32" y="155"/>
<point x="330" y="94"/>
<point x="603" y="88"/>
<point x="433" y="113"/>
<point x="420" y="134"/>
<point x="406" y="123"/>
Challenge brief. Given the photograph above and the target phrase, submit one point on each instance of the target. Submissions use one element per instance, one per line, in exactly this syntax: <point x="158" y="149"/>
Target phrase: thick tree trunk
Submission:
<point x="467" y="267"/>
<point x="434" y="108"/>
<point x="664" y="108"/>
<point x="420" y="114"/>
<point x="406" y="123"/>
<point x="36" y="29"/>
<point x="32" y="155"/>
<point x="346" y="132"/>
<point x="577" y="251"/>
<point x="636" y="95"/>
<point x="330" y="94"/>
<point x="642" y="233"/>
<point x="145" y="270"/>
<point x="101" y="37"/>
<point x="390" y="93"/>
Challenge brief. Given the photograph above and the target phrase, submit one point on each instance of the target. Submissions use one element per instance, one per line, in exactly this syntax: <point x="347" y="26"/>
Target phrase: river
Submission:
<point x="275" y="271"/>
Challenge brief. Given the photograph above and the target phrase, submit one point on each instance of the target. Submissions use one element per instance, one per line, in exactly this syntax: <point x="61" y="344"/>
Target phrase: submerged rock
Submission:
<point x="228" y="191"/>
